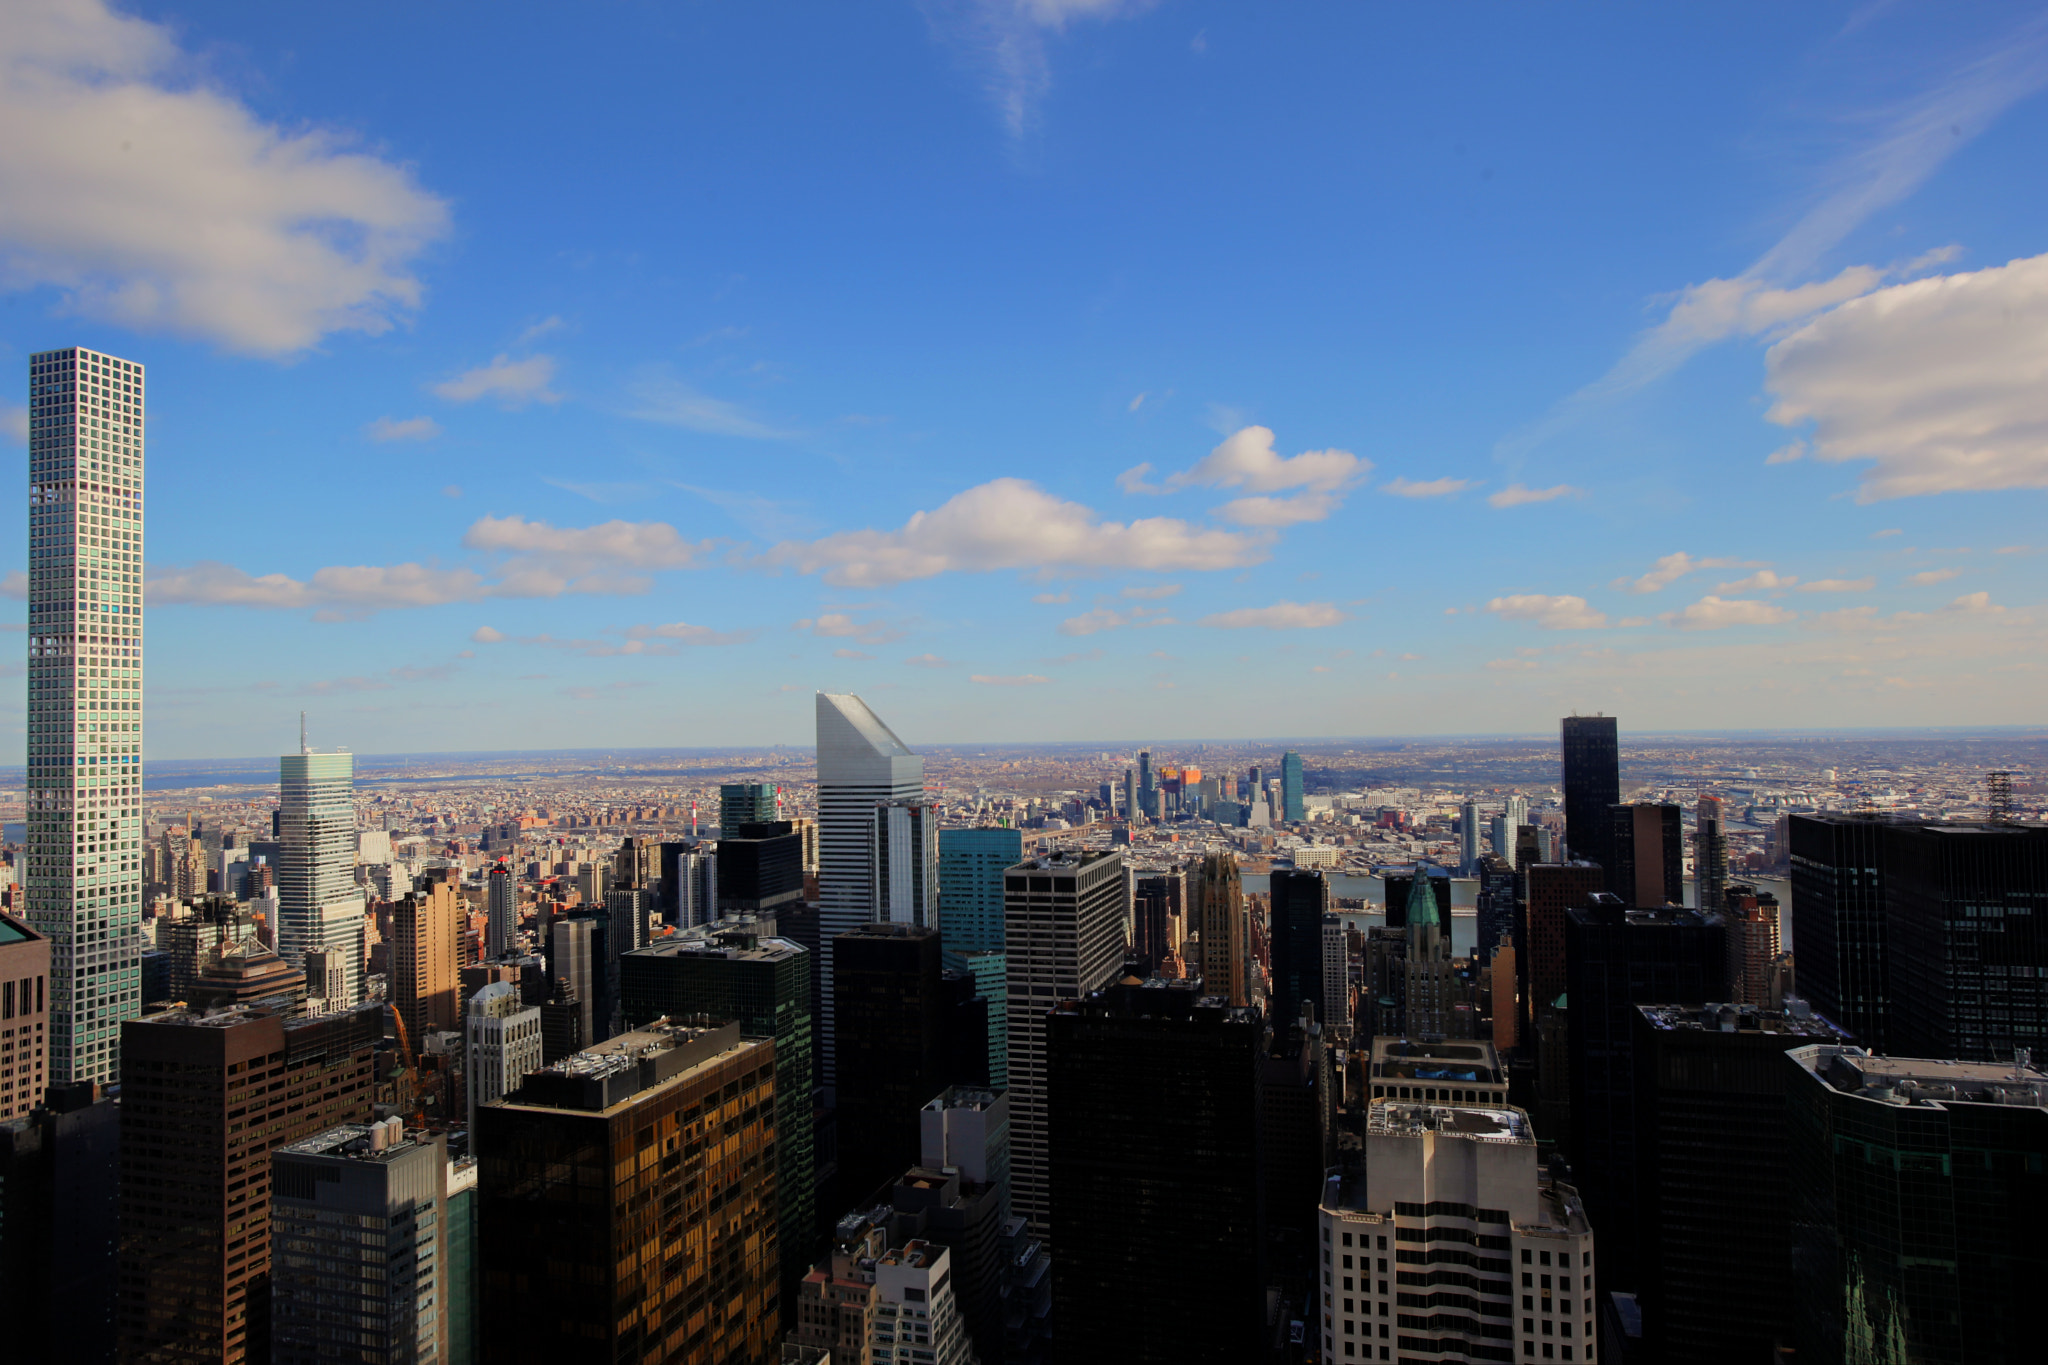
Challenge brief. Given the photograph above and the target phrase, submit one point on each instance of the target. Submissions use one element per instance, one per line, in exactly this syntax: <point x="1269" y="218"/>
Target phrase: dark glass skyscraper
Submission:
<point x="1615" y="959"/>
<point x="1135" y="1072"/>
<point x="1300" y="900"/>
<point x="1592" y="783"/>
<point x="1712" y="1178"/>
<point x="1966" y="921"/>
<point x="1293" y="797"/>
<point x="1916" y="1207"/>
<point x="894" y="1025"/>
<point x="1838" y="906"/>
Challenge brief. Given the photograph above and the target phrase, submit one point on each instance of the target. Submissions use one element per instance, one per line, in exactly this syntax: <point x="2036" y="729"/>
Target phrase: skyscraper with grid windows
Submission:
<point x="84" y="877"/>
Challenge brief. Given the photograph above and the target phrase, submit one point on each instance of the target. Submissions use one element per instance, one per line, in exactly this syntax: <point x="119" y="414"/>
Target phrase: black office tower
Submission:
<point x="1966" y="923"/>
<point x="1838" y="908"/>
<point x="1712" y="1178"/>
<point x="1300" y="899"/>
<point x="894" y="1012"/>
<point x="1499" y="892"/>
<point x="59" y="1226"/>
<point x="1152" y="1110"/>
<point x="1592" y="783"/>
<point x="760" y="868"/>
<point x="1157" y="904"/>
<point x="1917" y="1199"/>
<point x="1616" y="958"/>
<point x="1647" y="847"/>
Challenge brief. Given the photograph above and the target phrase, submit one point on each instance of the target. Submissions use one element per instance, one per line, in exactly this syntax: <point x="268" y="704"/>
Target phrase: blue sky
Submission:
<point x="538" y="376"/>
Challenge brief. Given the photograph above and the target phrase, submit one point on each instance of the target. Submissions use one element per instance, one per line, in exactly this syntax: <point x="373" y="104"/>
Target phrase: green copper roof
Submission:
<point x="1422" y="908"/>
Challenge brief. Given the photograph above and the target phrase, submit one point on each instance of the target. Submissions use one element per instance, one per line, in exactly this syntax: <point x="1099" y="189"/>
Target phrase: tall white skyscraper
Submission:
<point x="861" y="765"/>
<point x="84" y="875"/>
<point x="318" y="902"/>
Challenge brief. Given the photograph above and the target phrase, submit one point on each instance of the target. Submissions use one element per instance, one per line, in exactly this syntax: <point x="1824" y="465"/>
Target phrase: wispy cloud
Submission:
<point x="1716" y="613"/>
<point x="1520" y="495"/>
<point x="839" y="625"/>
<point x="1105" y="618"/>
<point x="403" y="429"/>
<point x="657" y="395"/>
<point x="514" y="383"/>
<point x="1006" y="43"/>
<point x="1552" y="613"/>
<point x="1009" y="680"/>
<point x="928" y="661"/>
<point x="1279" y="616"/>
<point x="1910" y="143"/>
<point x="1673" y="567"/>
<point x="1429" y="488"/>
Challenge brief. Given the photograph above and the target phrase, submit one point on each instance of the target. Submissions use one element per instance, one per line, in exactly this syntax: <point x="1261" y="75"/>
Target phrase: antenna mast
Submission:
<point x="302" y="734"/>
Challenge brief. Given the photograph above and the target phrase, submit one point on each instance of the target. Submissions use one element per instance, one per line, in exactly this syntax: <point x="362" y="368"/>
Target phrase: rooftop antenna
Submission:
<point x="302" y="734"/>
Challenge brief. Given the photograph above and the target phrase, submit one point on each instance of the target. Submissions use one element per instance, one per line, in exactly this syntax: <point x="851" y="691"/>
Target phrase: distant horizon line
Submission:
<point x="1470" y="737"/>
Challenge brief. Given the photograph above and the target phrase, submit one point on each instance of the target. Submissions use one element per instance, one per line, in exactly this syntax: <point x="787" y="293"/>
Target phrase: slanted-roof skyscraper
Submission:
<point x="861" y="765"/>
<point x="1592" y="783"/>
<point x="318" y="902"/>
<point x="84" y="874"/>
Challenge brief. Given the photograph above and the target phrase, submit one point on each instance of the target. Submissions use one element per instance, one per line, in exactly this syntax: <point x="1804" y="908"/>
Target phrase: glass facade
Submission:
<point x="84" y="874"/>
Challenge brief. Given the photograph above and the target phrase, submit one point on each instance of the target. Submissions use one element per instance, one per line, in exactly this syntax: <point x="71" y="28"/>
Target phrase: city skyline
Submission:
<point x="505" y="460"/>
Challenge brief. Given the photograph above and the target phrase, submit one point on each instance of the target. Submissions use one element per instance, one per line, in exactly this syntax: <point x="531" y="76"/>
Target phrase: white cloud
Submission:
<point x="453" y="490"/>
<point x="928" y="661"/>
<point x="1715" y="613"/>
<point x="851" y="654"/>
<point x="659" y="396"/>
<point x="1787" y="454"/>
<point x="14" y="421"/>
<point x="1915" y="138"/>
<point x="159" y="201"/>
<point x="1432" y="488"/>
<point x="407" y="429"/>
<point x="1934" y="576"/>
<point x="1551" y="613"/>
<point x="1246" y="459"/>
<point x="337" y="592"/>
<point x="1276" y="512"/>
<point x="1014" y="524"/>
<point x="488" y="635"/>
<point x="1974" y="604"/>
<point x="1012" y="680"/>
<point x="1518" y="495"/>
<point x="1279" y="616"/>
<point x="574" y="551"/>
<point x="839" y="625"/>
<point x="1133" y="480"/>
<point x="1048" y="599"/>
<point x="538" y="561"/>
<point x="1673" y="567"/>
<point x="1839" y="585"/>
<point x="1942" y="382"/>
<point x="1103" y="618"/>
<point x="1154" y="592"/>
<point x="1512" y="665"/>
<point x="1005" y="42"/>
<point x="682" y="632"/>
<point x="1763" y="580"/>
<point x="515" y="383"/>
<point x="15" y="585"/>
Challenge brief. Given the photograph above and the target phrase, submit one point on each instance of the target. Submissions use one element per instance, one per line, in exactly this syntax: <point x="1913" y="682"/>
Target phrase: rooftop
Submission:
<point x="733" y="942"/>
<point x="1445" y="1061"/>
<point x="1795" y="1019"/>
<point x="359" y="1142"/>
<point x="14" y="931"/>
<point x="1921" y="1081"/>
<point x="1481" y="1123"/>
